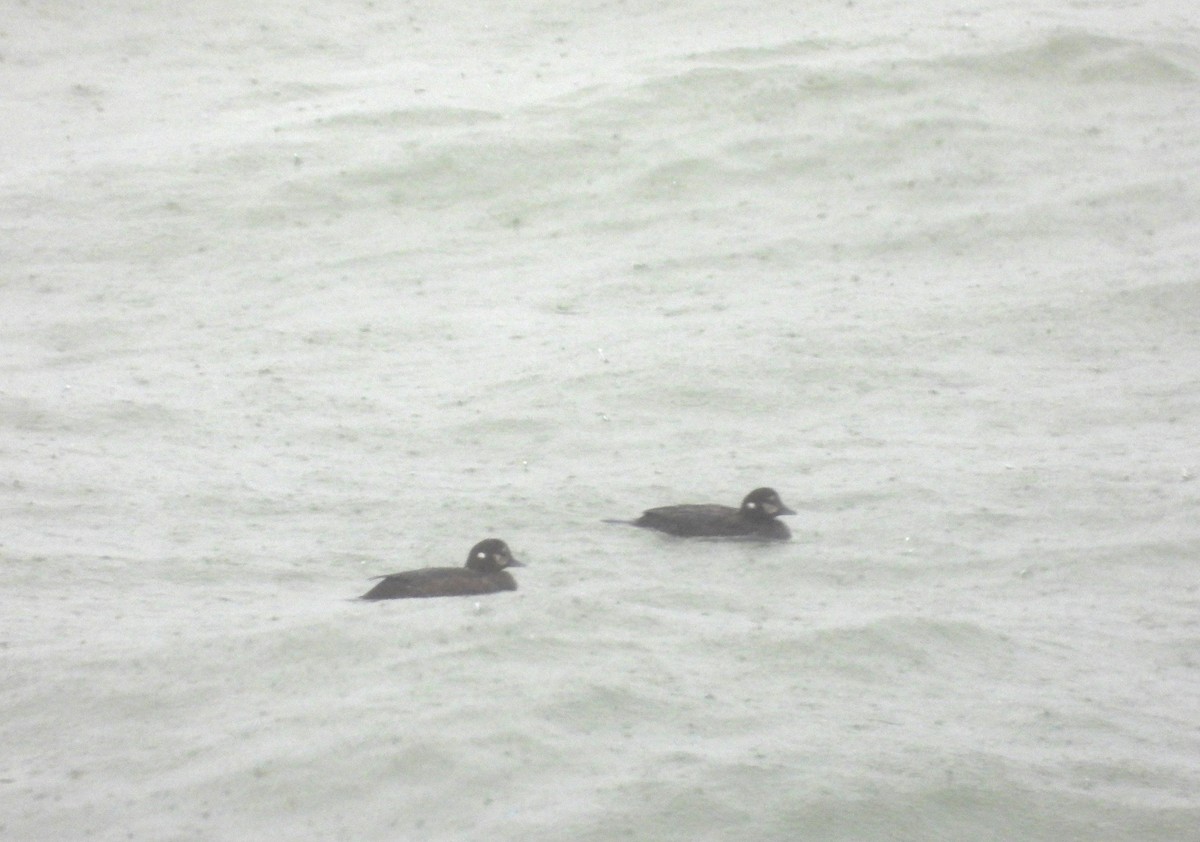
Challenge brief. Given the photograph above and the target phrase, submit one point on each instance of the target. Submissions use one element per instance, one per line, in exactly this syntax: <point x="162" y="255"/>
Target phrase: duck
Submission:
<point x="483" y="573"/>
<point x="755" y="519"/>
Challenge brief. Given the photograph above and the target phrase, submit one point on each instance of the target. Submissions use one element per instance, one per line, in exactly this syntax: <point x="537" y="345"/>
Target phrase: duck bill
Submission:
<point x="512" y="562"/>
<point x="784" y="510"/>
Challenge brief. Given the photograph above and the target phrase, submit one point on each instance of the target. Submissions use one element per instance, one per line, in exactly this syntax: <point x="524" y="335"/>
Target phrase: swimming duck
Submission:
<point x="756" y="518"/>
<point x="483" y="573"/>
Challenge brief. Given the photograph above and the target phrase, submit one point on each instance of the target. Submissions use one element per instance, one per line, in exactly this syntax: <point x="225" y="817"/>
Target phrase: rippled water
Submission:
<point x="294" y="298"/>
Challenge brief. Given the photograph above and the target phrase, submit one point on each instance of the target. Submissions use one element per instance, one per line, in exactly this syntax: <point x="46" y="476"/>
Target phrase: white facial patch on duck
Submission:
<point x="770" y="508"/>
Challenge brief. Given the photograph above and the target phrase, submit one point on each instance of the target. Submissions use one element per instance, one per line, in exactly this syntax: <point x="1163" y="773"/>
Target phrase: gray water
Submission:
<point x="298" y="296"/>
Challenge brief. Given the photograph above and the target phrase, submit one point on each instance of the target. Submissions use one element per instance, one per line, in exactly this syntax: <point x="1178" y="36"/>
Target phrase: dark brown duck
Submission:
<point x="483" y="573"/>
<point x="756" y="518"/>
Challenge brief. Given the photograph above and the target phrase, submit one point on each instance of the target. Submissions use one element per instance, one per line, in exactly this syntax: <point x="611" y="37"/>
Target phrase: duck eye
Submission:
<point x="752" y="505"/>
<point x="481" y="555"/>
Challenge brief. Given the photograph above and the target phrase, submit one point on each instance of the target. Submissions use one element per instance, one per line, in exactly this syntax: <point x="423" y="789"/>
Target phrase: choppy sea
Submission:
<point x="297" y="295"/>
